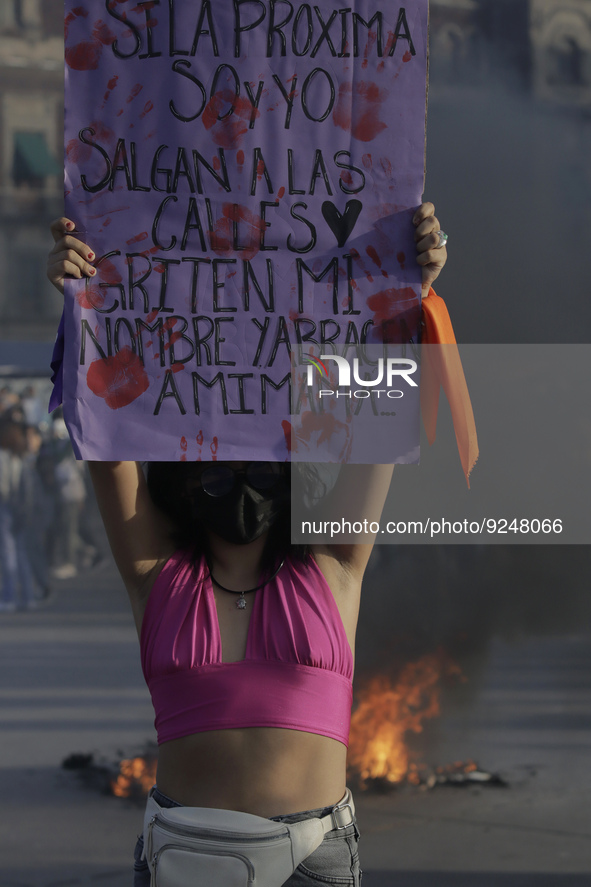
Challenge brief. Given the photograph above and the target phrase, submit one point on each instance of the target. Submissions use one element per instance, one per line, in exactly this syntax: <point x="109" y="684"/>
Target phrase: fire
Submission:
<point x="136" y="776"/>
<point x="387" y="711"/>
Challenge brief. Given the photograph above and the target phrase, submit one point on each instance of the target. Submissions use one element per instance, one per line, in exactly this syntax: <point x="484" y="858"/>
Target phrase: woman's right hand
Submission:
<point x="69" y="257"/>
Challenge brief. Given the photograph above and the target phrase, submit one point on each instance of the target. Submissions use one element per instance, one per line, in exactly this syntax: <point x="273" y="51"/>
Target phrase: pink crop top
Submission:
<point x="298" y="668"/>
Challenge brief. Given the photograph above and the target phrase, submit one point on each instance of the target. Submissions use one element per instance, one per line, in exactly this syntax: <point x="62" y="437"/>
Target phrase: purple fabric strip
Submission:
<point x="57" y="368"/>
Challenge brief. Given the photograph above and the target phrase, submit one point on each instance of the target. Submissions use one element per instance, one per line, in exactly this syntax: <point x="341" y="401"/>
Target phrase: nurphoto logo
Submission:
<point x="388" y="370"/>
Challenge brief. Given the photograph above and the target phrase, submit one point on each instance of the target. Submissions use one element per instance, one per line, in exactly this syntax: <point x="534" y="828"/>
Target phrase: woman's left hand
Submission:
<point x="429" y="257"/>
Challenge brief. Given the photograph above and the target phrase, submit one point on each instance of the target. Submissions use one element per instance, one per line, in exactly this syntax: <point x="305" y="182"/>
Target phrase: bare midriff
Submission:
<point x="261" y="770"/>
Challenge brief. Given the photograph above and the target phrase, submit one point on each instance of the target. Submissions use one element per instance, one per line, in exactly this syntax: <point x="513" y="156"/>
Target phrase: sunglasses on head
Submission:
<point x="219" y="480"/>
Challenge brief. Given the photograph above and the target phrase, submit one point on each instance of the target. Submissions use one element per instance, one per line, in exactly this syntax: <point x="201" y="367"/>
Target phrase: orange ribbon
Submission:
<point x="442" y="368"/>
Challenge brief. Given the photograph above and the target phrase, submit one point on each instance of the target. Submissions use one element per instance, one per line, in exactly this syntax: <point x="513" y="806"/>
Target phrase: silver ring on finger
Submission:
<point x="443" y="238"/>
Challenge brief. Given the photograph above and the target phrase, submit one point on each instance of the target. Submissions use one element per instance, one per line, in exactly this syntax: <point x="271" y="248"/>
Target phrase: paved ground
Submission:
<point x="70" y="682"/>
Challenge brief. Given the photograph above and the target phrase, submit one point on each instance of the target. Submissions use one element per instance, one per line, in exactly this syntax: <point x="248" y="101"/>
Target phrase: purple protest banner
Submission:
<point x="246" y="173"/>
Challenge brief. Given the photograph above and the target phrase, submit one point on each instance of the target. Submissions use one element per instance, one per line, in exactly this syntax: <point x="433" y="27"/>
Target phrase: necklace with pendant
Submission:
<point x="241" y="602"/>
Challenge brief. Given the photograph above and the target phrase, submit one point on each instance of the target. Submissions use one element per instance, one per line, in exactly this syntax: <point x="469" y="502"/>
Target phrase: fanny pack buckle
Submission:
<point x="335" y="818"/>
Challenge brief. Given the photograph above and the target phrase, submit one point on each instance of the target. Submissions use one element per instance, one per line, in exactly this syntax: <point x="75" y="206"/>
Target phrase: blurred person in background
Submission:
<point x="17" y="577"/>
<point x="32" y="406"/>
<point x="8" y="399"/>
<point x="71" y="551"/>
<point x="37" y="510"/>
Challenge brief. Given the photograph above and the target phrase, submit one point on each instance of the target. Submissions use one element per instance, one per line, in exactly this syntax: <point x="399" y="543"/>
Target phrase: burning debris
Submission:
<point x="387" y="711"/>
<point x="130" y="777"/>
<point x="135" y="778"/>
<point x="379" y="756"/>
<point x="462" y="774"/>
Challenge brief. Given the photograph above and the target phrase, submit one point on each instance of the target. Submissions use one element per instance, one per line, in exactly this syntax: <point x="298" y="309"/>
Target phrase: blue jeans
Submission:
<point x="15" y="569"/>
<point x="335" y="862"/>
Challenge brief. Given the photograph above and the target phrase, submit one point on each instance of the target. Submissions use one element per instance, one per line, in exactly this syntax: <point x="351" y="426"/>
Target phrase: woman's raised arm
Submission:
<point x="139" y="534"/>
<point x="357" y="498"/>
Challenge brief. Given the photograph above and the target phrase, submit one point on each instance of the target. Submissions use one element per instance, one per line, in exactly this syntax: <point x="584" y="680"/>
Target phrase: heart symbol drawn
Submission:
<point x="341" y="225"/>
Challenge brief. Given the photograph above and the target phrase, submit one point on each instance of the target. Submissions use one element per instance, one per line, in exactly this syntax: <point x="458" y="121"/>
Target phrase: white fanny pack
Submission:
<point x="207" y="847"/>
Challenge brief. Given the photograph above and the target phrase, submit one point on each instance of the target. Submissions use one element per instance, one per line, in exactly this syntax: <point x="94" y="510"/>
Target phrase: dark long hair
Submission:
<point x="167" y="486"/>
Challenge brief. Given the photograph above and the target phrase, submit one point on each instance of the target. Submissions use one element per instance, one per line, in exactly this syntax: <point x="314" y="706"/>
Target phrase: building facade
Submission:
<point x="31" y="140"/>
<point x="472" y="40"/>
<point x="561" y="41"/>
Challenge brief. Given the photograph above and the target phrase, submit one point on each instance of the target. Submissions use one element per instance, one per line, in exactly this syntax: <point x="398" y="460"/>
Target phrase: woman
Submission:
<point x="247" y="644"/>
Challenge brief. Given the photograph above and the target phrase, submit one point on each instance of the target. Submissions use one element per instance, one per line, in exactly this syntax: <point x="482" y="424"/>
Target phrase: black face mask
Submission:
<point x="243" y="514"/>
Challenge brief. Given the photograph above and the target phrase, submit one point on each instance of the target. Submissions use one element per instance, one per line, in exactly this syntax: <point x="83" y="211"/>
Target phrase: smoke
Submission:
<point x="510" y="176"/>
<point x="418" y="598"/>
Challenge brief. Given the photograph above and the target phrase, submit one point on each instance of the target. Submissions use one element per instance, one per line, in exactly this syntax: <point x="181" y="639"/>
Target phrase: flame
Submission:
<point x="387" y="711"/>
<point x="457" y="767"/>
<point x="136" y="776"/>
